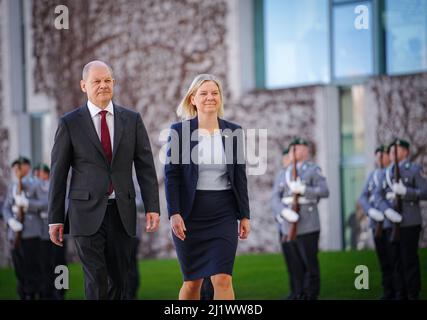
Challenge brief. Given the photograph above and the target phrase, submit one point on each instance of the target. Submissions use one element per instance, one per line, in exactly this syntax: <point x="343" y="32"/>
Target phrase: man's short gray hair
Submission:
<point x="87" y="67"/>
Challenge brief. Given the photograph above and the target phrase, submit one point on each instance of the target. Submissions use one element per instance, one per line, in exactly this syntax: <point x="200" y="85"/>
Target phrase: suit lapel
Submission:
<point x="89" y="129"/>
<point x="118" y="129"/>
<point x="194" y="125"/>
<point x="223" y="126"/>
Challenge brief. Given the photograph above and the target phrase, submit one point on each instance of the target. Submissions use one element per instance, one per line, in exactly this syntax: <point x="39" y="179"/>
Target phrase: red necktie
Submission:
<point x="106" y="142"/>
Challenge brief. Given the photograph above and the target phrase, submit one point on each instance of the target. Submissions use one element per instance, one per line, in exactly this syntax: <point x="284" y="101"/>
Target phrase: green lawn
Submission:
<point x="257" y="276"/>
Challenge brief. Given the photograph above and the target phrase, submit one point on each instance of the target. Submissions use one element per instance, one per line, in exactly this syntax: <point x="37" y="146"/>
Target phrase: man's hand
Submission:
<point x="152" y="221"/>
<point x="376" y="215"/>
<point x="390" y="196"/>
<point x="15" y="225"/>
<point x="399" y="188"/>
<point x="289" y="215"/>
<point x="244" y="228"/>
<point x="178" y="226"/>
<point x="56" y="233"/>
<point x="21" y="201"/>
<point x="297" y="187"/>
<point x="393" y="215"/>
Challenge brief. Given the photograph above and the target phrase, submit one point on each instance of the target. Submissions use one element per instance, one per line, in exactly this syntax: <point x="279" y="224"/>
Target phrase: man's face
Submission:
<point x="382" y="159"/>
<point x="286" y="160"/>
<point x="25" y="170"/>
<point x="98" y="85"/>
<point x="402" y="153"/>
<point x="43" y="175"/>
<point x="301" y="152"/>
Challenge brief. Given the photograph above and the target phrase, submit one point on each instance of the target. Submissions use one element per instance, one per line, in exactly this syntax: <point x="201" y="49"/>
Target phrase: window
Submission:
<point x="352" y="39"/>
<point x="406" y="36"/>
<point x="295" y="42"/>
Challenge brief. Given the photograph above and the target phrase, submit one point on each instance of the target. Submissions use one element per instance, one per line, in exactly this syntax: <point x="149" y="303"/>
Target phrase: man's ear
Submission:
<point x="83" y="85"/>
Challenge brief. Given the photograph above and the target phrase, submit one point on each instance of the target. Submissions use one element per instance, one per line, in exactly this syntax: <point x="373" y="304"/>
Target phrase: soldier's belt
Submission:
<point x="301" y="200"/>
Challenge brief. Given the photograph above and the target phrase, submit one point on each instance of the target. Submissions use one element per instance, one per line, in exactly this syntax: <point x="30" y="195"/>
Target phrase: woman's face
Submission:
<point x="207" y="98"/>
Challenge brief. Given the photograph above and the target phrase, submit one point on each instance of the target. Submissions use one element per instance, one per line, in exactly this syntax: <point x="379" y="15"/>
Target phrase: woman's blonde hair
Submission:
<point x="186" y="109"/>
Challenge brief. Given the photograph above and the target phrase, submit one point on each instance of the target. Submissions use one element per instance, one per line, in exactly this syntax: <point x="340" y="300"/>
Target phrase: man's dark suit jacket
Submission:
<point x="78" y="146"/>
<point x="181" y="178"/>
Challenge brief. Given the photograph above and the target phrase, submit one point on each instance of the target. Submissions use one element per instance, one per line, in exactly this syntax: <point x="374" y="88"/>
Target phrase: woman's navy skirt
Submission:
<point x="210" y="244"/>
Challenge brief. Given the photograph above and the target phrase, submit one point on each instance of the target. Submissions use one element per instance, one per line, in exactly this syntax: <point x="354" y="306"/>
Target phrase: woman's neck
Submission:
<point x="208" y="122"/>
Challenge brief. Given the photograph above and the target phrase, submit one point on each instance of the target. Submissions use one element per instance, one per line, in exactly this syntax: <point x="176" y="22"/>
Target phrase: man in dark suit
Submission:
<point x="100" y="142"/>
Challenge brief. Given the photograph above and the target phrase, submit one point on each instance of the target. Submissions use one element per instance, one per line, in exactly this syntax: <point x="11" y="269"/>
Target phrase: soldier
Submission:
<point x="381" y="229"/>
<point x="408" y="191"/>
<point x="51" y="255"/>
<point x="36" y="170"/>
<point x="25" y="251"/>
<point x="310" y="186"/>
<point x="288" y="248"/>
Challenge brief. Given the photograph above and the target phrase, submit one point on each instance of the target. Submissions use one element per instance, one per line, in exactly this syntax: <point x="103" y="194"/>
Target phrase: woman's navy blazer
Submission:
<point x="181" y="174"/>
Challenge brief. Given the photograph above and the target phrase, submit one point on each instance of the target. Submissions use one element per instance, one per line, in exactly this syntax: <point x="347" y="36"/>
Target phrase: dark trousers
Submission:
<point x="207" y="289"/>
<point x="133" y="274"/>
<point x="105" y="257"/>
<point x="388" y="258"/>
<point x="307" y="275"/>
<point x="26" y="262"/>
<point x="51" y="256"/>
<point x="294" y="267"/>
<point x="410" y="264"/>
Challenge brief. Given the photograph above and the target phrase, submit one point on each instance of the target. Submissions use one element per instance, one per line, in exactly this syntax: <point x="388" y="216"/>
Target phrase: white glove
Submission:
<point x="399" y="188"/>
<point x="15" y="225"/>
<point x="15" y="209"/>
<point x="21" y="201"/>
<point x="393" y="215"/>
<point x="297" y="187"/>
<point x="376" y="215"/>
<point x="289" y="215"/>
<point x="43" y="215"/>
<point x="390" y="196"/>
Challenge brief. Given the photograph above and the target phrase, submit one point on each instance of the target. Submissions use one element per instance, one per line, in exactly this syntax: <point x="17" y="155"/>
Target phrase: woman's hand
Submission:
<point x="178" y="226"/>
<point x="244" y="228"/>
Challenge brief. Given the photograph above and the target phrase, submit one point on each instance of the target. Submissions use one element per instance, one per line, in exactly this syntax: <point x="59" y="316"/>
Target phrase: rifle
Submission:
<point x="379" y="225"/>
<point x="395" y="234"/>
<point x="295" y="204"/>
<point x="21" y="213"/>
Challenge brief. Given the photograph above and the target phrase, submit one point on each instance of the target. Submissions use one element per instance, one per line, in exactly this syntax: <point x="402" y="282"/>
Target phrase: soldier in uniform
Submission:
<point x="381" y="229"/>
<point x="288" y="247"/>
<point x="411" y="188"/>
<point x="25" y="253"/>
<point x="311" y="186"/>
<point x="51" y="255"/>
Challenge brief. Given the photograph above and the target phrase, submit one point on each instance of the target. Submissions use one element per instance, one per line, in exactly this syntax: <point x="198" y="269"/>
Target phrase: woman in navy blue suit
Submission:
<point x="206" y="190"/>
